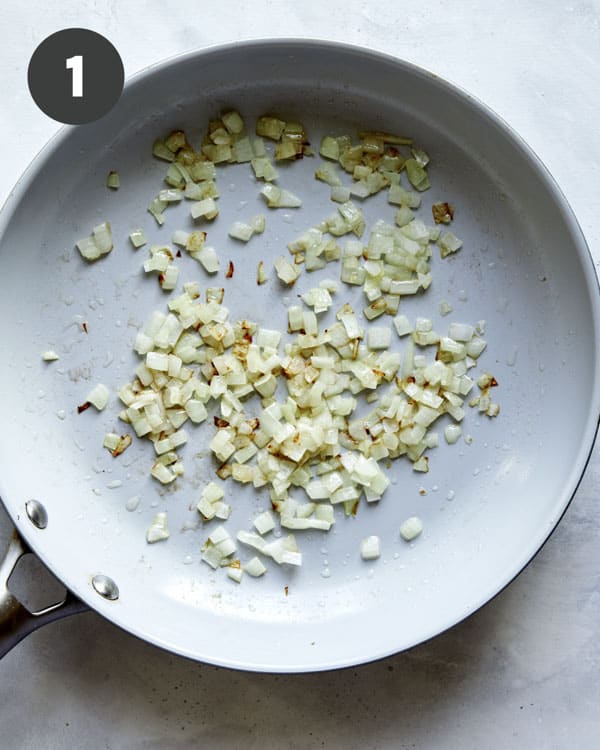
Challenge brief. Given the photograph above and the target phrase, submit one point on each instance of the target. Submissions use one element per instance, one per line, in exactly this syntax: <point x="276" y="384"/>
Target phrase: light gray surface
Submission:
<point x="524" y="671"/>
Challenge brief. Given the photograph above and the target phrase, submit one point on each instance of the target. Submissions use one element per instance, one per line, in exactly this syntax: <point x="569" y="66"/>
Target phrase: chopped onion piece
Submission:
<point x="452" y="432"/>
<point x="258" y="223"/>
<point x="261" y="274"/>
<point x="253" y="540"/>
<point x="443" y="213"/>
<point x="267" y="338"/>
<point x="156" y="208"/>
<point x="445" y="308"/>
<point x="218" y="547"/>
<point x="175" y="140"/>
<point x="411" y="528"/>
<point x="329" y="148"/>
<point x="255" y="568"/>
<point x="264" y="523"/>
<point x="404" y="198"/>
<point x="138" y="238"/>
<point x="100" y="243"/>
<point x="270" y="127"/>
<point x="162" y="152"/>
<point x="158" y="530"/>
<point x="208" y="258"/>
<point x="194" y="192"/>
<point x="370" y="548"/>
<point x="113" y="181"/>
<point x="404" y="216"/>
<point x="375" y="309"/>
<point x="50" y="356"/>
<point x="286" y="271"/>
<point x="329" y="174"/>
<point x="235" y="573"/>
<point x="181" y="238"/>
<point x="233" y="122"/>
<point x="486" y="380"/>
<point x="220" y="534"/>
<point x="341" y="194"/>
<point x="379" y="338"/>
<point x="222" y="510"/>
<point x="111" y="440"/>
<point x="98" y="396"/>
<point x="157" y="361"/>
<point x="168" y="280"/>
<point x="319" y="299"/>
<point x="280" y="198"/>
<point x="402" y="325"/>
<point x="284" y="551"/>
<point x="196" y="410"/>
<point x="116" y="444"/>
<point x="330" y="284"/>
<point x="417" y="175"/>
<point x="172" y="195"/>
<point x="206" y="209"/>
<point x="448" y="244"/>
<point x="241" y="231"/>
<point x="264" y="169"/>
<point x="475" y="348"/>
<point x="461" y="332"/>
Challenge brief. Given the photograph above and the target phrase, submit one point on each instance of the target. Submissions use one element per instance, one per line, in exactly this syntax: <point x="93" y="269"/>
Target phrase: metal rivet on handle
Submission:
<point x="36" y="513"/>
<point x="105" y="586"/>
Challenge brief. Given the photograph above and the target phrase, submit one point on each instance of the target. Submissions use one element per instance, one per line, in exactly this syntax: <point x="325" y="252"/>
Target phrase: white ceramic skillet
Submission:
<point x="524" y="269"/>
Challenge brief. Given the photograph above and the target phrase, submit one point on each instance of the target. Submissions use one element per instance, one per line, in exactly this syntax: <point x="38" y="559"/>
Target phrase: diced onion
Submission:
<point x="261" y="274"/>
<point x="319" y="299"/>
<point x="205" y="209"/>
<point x="233" y="122"/>
<point x="113" y="181"/>
<point x="98" y="244"/>
<point x="452" y="432"/>
<point x="208" y="258"/>
<point x="138" y="238"/>
<point x="255" y="568"/>
<point x="411" y="528"/>
<point x="445" y="308"/>
<point x="239" y="230"/>
<point x="158" y="530"/>
<point x="370" y="548"/>
<point x="448" y="244"/>
<point x="309" y="447"/>
<point x="379" y="338"/>
<point x="264" y="523"/>
<point x="286" y="271"/>
<point x="98" y="396"/>
<point x="235" y="573"/>
<point x="402" y="325"/>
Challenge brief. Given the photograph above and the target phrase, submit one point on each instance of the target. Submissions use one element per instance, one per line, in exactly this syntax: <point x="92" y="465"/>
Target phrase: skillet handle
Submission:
<point x="16" y="621"/>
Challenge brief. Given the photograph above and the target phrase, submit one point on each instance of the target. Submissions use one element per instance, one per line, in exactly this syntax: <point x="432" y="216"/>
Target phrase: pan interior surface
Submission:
<point x="486" y="506"/>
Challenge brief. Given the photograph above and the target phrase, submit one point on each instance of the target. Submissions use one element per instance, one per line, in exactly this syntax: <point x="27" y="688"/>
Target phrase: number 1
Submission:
<point x="76" y="65"/>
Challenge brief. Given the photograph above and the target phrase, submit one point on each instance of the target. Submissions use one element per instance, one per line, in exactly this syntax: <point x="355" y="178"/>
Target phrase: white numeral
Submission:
<point x="76" y="65"/>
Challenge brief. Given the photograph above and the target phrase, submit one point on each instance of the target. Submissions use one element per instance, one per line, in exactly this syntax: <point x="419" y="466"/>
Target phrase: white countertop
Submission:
<point x="521" y="673"/>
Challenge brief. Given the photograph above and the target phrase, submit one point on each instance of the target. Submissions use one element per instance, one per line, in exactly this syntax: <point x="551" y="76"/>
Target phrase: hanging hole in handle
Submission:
<point x="34" y="585"/>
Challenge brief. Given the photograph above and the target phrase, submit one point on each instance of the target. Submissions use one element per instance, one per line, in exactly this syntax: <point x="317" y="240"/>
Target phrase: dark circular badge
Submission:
<point x="75" y="76"/>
